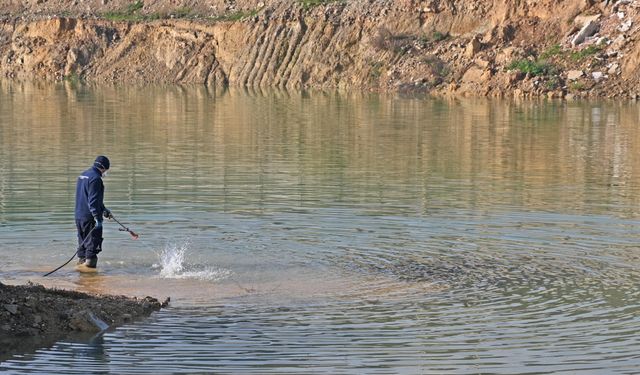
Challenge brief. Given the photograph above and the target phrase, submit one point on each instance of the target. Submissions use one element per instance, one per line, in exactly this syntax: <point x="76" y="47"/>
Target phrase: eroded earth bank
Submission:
<point x="553" y="48"/>
<point x="33" y="316"/>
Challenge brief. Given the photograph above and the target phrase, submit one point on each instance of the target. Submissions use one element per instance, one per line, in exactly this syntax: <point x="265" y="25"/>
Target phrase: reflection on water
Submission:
<point x="333" y="233"/>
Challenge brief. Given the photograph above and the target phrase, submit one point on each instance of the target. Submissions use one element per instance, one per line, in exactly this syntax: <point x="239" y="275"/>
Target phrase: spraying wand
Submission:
<point x="125" y="229"/>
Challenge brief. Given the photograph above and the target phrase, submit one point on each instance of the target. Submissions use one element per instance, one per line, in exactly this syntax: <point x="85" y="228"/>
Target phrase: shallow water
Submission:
<point x="333" y="233"/>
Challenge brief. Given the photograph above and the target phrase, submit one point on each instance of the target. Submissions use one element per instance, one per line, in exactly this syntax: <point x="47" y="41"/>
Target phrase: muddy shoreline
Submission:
<point x="32" y="316"/>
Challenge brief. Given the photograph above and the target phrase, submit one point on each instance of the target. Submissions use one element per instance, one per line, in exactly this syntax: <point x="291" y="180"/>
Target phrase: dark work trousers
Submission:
<point x="91" y="246"/>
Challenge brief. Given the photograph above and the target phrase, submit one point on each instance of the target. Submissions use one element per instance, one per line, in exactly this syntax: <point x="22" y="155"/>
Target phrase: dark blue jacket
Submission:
<point x="89" y="195"/>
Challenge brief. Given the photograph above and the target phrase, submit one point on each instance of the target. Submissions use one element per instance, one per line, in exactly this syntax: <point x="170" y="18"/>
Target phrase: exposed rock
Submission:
<point x="572" y="75"/>
<point x="473" y="47"/>
<point x="625" y="26"/>
<point x="476" y="75"/>
<point x="472" y="75"/>
<point x="618" y="3"/>
<point x="597" y="76"/>
<point x="484" y="64"/>
<point x="81" y="321"/>
<point x="506" y="33"/>
<point x="515" y="76"/>
<point x="587" y="30"/>
<point x="584" y="19"/>
<point x="13" y="309"/>
<point x="618" y="43"/>
<point x="506" y="55"/>
<point x="555" y="95"/>
<point x="630" y="64"/>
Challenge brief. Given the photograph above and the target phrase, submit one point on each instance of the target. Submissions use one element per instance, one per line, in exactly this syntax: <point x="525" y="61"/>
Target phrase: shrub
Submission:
<point x="438" y="36"/>
<point x="132" y="13"/>
<point x="313" y="3"/>
<point x="134" y="7"/>
<point x="533" y="68"/>
<point x="585" y="52"/>
<point x="554" y="50"/>
<point x="128" y="13"/>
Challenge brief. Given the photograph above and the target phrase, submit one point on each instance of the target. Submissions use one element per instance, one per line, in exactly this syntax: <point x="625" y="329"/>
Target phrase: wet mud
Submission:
<point x="32" y="316"/>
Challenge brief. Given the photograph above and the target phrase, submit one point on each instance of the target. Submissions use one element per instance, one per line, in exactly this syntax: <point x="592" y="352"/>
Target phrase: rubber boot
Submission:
<point x="89" y="265"/>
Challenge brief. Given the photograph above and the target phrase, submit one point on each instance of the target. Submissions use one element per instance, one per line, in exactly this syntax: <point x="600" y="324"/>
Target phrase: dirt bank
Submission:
<point x="32" y="316"/>
<point x="554" y="48"/>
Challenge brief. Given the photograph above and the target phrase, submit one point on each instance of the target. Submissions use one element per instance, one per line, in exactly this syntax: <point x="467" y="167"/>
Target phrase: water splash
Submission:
<point x="172" y="260"/>
<point x="173" y="266"/>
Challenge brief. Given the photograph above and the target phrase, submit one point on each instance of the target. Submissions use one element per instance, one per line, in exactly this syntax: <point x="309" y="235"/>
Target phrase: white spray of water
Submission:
<point x="172" y="260"/>
<point x="173" y="266"/>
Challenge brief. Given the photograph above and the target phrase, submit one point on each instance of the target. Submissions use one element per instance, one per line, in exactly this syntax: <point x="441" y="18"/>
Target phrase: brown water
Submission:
<point x="333" y="233"/>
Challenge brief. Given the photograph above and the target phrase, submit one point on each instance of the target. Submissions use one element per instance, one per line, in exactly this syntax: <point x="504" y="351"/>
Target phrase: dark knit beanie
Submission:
<point x="102" y="162"/>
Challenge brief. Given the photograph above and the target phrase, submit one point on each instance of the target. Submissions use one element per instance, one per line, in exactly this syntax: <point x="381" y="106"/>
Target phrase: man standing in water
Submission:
<point x="89" y="212"/>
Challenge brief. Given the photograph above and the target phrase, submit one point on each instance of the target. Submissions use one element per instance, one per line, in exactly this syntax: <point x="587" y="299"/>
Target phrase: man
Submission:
<point x="90" y="210"/>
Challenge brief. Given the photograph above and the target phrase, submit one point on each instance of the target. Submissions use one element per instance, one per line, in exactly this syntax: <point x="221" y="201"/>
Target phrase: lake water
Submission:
<point x="333" y="233"/>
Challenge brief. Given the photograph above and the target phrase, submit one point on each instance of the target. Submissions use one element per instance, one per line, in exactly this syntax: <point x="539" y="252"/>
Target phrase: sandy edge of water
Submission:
<point x="32" y="316"/>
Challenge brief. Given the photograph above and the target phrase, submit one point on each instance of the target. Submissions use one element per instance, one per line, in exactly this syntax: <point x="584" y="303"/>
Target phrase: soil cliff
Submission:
<point x="555" y="48"/>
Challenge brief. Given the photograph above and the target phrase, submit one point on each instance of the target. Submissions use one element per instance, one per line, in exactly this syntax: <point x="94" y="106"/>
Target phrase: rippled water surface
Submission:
<point x="333" y="233"/>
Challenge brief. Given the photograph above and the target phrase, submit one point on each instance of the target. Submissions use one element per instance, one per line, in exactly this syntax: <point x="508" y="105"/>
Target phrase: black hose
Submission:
<point x="65" y="263"/>
<point x="73" y="256"/>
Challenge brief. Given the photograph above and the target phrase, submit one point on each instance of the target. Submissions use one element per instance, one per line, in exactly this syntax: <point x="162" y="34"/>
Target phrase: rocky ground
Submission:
<point x="32" y="316"/>
<point x="551" y="48"/>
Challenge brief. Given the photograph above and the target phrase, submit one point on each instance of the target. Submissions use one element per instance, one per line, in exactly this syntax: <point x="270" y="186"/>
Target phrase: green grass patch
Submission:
<point x="236" y="16"/>
<point x="533" y="68"/>
<point x="134" y="7"/>
<point x="306" y="4"/>
<point x="585" y="52"/>
<point x="554" y="50"/>
<point x="438" y="36"/>
<point x="129" y="13"/>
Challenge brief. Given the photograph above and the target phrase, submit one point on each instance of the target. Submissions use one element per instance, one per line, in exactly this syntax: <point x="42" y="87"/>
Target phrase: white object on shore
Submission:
<point x="587" y="30"/>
